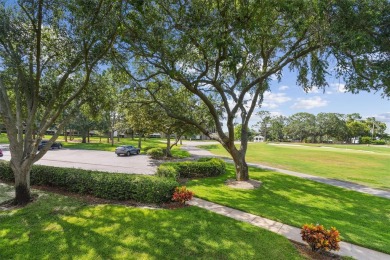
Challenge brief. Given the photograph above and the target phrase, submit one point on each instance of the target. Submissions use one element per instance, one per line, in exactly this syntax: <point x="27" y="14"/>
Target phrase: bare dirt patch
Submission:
<point x="248" y="185"/>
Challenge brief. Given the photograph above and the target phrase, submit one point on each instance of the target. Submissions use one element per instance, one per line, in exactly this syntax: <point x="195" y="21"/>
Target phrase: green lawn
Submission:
<point x="367" y="165"/>
<point x="58" y="227"/>
<point x="362" y="219"/>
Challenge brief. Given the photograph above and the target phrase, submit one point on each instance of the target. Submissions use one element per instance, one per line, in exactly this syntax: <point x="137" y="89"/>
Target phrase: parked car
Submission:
<point x="1" y="153"/>
<point x="43" y="143"/>
<point x="126" y="150"/>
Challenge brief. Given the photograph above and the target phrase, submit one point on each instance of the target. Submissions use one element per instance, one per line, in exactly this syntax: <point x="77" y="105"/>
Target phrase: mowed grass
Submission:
<point x="368" y="165"/>
<point x="362" y="219"/>
<point x="58" y="227"/>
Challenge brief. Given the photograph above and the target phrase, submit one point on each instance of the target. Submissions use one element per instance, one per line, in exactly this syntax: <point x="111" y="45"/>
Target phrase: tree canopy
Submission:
<point x="48" y="52"/>
<point x="225" y="52"/>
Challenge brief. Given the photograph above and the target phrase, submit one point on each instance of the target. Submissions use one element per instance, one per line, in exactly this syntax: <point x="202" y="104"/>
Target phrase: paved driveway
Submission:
<point x="95" y="160"/>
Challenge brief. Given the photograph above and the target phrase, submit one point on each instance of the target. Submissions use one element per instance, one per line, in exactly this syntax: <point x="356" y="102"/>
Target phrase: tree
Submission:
<point x="331" y="125"/>
<point x="264" y="123"/>
<point x="225" y="52"/>
<point x="276" y="131"/>
<point x="145" y="106"/>
<point x="238" y="130"/>
<point x="48" y="51"/>
<point x="301" y="126"/>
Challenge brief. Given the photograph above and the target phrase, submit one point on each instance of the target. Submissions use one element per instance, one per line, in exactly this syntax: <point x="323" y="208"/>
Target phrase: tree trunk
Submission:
<point x="242" y="173"/>
<point x="168" y="150"/>
<point x="238" y="156"/>
<point x="22" y="183"/>
<point x="112" y="138"/>
<point x="139" y="140"/>
<point x="83" y="137"/>
<point x="65" y="134"/>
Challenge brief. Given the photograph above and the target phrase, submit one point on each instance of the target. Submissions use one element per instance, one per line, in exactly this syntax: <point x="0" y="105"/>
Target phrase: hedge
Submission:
<point x="156" y="153"/>
<point x="379" y="142"/>
<point x="204" y="167"/>
<point x="115" y="186"/>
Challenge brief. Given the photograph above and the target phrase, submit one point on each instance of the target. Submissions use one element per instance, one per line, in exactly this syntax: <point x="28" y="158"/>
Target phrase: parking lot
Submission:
<point x="94" y="160"/>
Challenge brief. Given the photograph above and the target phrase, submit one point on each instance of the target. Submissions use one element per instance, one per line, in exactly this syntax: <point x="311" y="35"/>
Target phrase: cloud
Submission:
<point x="274" y="100"/>
<point x="384" y="117"/>
<point x="310" y="103"/>
<point x="339" y="87"/>
<point x="313" y="90"/>
<point x="283" y="87"/>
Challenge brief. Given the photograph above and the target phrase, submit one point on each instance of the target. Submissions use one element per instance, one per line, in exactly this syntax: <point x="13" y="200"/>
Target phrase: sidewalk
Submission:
<point x="197" y="152"/>
<point x="292" y="233"/>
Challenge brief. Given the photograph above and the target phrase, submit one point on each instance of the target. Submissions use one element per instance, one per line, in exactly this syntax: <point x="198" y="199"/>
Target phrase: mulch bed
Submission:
<point x="306" y="252"/>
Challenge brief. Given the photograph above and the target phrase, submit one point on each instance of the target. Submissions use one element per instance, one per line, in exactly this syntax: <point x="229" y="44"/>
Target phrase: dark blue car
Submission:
<point x="43" y="143"/>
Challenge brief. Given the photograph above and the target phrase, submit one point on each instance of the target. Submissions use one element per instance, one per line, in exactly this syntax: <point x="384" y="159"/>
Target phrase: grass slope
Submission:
<point x="57" y="227"/>
<point x="366" y="166"/>
<point x="362" y="219"/>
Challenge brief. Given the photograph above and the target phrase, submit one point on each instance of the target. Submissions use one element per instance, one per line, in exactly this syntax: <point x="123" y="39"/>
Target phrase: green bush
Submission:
<point x="6" y="173"/>
<point x="201" y="168"/>
<point x="116" y="186"/>
<point x="147" y="148"/>
<point x="156" y="153"/>
<point x="365" y="140"/>
<point x="205" y="159"/>
<point x="379" y="142"/>
<point x="167" y="171"/>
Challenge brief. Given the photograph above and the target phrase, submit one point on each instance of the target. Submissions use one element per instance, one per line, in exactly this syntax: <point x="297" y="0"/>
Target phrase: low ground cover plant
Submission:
<point x="116" y="186"/>
<point x="320" y="238"/>
<point x="204" y="167"/>
<point x="182" y="195"/>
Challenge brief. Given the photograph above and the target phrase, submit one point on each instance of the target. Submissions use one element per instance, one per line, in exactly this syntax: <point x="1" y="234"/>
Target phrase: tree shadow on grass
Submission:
<point x="57" y="227"/>
<point x="361" y="218"/>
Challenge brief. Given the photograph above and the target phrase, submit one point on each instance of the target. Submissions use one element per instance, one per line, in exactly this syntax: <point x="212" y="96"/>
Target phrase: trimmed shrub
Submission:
<point x="6" y="173"/>
<point x="379" y="142"/>
<point x="155" y="153"/>
<point x="319" y="238"/>
<point x="167" y="171"/>
<point x="205" y="159"/>
<point x="115" y="186"/>
<point x="202" y="168"/>
<point x="365" y="140"/>
<point x="147" y="148"/>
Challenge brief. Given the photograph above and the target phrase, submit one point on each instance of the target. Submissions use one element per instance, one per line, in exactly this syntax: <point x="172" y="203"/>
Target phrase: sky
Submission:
<point x="286" y="98"/>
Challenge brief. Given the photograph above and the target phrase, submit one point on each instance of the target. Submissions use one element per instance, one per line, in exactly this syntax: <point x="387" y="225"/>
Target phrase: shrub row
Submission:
<point x="369" y="140"/>
<point x="116" y="186"/>
<point x="204" y="167"/>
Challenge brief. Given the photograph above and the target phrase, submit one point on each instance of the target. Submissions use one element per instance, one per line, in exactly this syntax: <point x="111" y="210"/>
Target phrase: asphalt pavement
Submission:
<point x="94" y="160"/>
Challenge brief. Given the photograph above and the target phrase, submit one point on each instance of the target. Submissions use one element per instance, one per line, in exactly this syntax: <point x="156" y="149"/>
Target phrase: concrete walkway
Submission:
<point x="197" y="152"/>
<point x="292" y="233"/>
